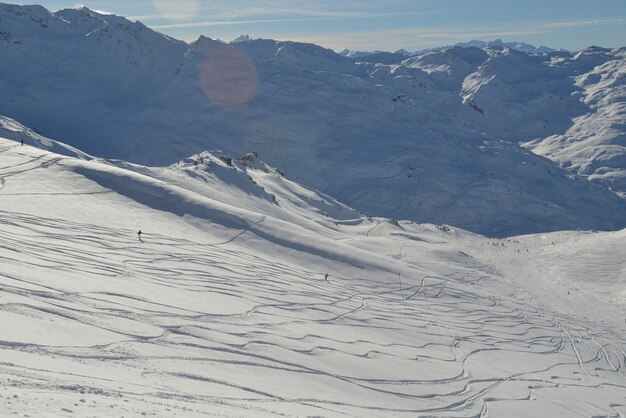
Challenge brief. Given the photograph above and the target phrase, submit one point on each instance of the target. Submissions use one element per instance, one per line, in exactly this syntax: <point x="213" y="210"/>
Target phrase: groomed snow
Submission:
<point x="220" y="309"/>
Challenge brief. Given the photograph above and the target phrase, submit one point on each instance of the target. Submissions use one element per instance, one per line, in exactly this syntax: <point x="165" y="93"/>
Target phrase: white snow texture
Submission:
<point x="248" y="294"/>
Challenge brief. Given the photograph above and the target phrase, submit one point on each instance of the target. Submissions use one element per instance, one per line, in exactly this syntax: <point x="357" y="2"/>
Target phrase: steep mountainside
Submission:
<point x="595" y="144"/>
<point x="434" y="138"/>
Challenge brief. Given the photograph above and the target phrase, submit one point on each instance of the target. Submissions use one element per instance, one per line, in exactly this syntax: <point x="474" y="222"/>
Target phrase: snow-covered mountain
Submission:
<point x="595" y="143"/>
<point x="377" y="57"/>
<point x="358" y="54"/>
<point x="496" y="43"/>
<point x="220" y="306"/>
<point x="518" y="46"/>
<point x="381" y="57"/>
<point x="434" y="138"/>
<point x="241" y="38"/>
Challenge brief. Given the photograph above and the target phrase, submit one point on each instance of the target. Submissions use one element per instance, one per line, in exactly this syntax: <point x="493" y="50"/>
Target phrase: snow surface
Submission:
<point x="595" y="145"/>
<point x="434" y="138"/>
<point x="220" y="307"/>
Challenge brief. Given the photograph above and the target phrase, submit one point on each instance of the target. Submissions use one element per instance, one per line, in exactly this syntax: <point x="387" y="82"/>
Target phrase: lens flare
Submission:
<point x="177" y="10"/>
<point x="228" y="78"/>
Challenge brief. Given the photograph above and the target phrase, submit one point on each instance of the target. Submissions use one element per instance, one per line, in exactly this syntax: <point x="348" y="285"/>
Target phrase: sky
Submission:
<point x="380" y="24"/>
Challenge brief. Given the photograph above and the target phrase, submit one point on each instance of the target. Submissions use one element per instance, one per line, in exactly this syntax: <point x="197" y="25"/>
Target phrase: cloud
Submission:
<point x="589" y="22"/>
<point x="318" y="17"/>
<point x="238" y="9"/>
<point x="223" y="23"/>
<point x="160" y="17"/>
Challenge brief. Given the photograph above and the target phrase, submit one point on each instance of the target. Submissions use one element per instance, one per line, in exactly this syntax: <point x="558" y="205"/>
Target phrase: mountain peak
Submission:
<point x="86" y="19"/>
<point x="241" y="38"/>
<point x="403" y="51"/>
<point x="85" y="9"/>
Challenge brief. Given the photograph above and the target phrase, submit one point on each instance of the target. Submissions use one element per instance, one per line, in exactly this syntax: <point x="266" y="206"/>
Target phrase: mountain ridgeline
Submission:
<point x="494" y="140"/>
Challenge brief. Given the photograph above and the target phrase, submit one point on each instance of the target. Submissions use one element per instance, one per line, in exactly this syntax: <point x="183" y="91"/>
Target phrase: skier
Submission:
<point x="326" y="277"/>
<point x="22" y="142"/>
<point x="139" y="235"/>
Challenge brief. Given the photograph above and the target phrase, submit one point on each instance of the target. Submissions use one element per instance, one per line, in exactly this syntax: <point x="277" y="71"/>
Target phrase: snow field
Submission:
<point x="225" y="312"/>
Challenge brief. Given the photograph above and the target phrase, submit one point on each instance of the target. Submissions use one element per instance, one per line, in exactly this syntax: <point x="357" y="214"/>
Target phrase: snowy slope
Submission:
<point x="11" y="129"/>
<point x="595" y="145"/>
<point x="434" y="138"/>
<point x="221" y="308"/>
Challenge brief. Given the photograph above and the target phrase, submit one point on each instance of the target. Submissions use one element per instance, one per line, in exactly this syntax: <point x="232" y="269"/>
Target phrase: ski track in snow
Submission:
<point x="97" y="322"/>
<point x="299" y="332"/>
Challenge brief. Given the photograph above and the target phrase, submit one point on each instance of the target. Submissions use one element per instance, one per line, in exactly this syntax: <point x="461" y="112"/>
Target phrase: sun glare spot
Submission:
<point x="228" y="78"/>
<point x="177" y="10"/>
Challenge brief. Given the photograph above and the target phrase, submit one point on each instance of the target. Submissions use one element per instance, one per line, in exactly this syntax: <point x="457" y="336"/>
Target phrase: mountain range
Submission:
<point x="491" y="139"/>
<point x="403" y="53"/>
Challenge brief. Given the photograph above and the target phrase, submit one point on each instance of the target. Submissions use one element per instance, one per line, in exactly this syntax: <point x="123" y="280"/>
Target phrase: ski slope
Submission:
<point x="220" y="307"/>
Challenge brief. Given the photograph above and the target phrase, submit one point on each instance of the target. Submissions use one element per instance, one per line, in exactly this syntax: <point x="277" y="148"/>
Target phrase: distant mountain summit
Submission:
<point x="359" y="54"/>
<point x="497" y="43"/>
<point x="241" y="38"/>
<point x="375" y="57"/>
<point x="518" y="46"/>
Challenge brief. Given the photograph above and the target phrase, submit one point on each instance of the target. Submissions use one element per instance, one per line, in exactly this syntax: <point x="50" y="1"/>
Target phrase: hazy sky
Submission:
<point x="380" y="24"/>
